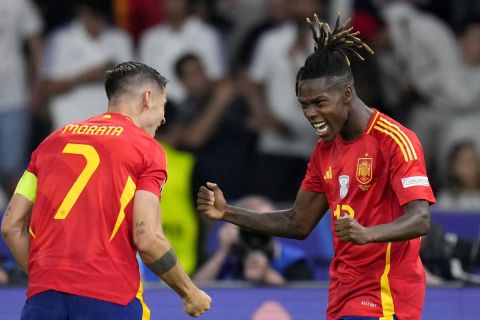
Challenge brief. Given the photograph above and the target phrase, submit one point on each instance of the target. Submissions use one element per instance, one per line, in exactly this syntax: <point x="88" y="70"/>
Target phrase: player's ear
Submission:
<point x="147" y="99"/>
<point x="348" y="94"/>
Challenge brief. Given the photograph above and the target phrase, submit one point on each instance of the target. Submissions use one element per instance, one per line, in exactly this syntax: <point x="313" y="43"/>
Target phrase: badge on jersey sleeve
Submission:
<point x="344" y="181"/>
<point x="364" y="172"/>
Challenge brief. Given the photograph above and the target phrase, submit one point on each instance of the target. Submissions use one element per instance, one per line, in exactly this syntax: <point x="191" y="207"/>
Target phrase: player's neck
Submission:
<point x="124" y="110"/>
<point x="358" y="119"/>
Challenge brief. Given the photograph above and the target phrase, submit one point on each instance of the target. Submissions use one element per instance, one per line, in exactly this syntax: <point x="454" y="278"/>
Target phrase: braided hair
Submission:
<point x="332" y="50"/>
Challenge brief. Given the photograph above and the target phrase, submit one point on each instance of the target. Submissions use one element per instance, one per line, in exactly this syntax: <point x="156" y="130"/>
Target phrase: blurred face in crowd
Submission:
<point x="300" y="9"/>
<point x="194" y="78"/>
<point x="93" y="22"/>
<point x="470" y="44"/>
<point x="325" y="105"/>
<point x="465" y="167"/>
<point x="176" y="9"/>
<point x="278" y="10"/>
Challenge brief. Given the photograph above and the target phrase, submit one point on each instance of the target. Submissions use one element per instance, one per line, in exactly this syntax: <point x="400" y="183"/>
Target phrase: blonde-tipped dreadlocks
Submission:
<point x="332" y="48"/>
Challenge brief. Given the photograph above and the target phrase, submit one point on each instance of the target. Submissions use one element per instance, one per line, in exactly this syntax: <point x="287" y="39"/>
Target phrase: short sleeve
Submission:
<point x="154" y="176"/>
<point x="258" y="70"/>
<point x="408" y="175"/>
<point x="32" y="165"/>
<point x="30" y="22"/>
<point x="313" y="181"/>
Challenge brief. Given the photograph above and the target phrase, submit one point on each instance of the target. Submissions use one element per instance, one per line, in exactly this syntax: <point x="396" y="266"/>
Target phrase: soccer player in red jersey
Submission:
<point x="369" y="171"/>
<point x="89" y="200"/>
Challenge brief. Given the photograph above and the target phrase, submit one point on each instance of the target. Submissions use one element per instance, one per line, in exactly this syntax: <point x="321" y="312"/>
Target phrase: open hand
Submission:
<point x="211" y="202"/>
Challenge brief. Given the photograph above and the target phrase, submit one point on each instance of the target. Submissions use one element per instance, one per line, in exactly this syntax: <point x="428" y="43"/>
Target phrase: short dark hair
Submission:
<point x="332" y="49"/>
<point x="119" y="79"/>
<point x="187" y="57"/>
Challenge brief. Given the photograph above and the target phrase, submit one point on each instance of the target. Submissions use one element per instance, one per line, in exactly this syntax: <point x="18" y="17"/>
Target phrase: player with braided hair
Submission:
<point x="369" y="171"/>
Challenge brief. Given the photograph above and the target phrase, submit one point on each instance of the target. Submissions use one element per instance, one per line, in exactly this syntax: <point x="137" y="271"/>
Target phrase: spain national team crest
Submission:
<point x="364" y="170"/>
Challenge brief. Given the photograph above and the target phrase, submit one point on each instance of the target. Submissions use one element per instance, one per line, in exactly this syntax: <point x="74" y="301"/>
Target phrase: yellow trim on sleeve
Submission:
<point x="27" y="186"/>
<point x="405" y="156"/>
<point x="405" y="139"/>
<point x="30" y="231"/>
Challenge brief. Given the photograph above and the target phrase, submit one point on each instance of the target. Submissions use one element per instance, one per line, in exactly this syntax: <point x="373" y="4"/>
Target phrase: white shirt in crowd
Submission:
<point x="71" y="51"/>
<point x="19" y="20"/>
<point x="162" y="46"/>
<point x="274" y="67"/>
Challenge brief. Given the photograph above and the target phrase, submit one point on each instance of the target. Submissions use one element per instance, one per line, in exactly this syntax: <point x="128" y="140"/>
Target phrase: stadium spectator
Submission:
<point x="89" y="201"/>
<point x="277" y="14"/>
<point x="431" y="66"/>
<point x="284" y="141"/>
<point x="179" y="216"/>
<point x="20" y="25"/>
<point x="76" y="59"/>
<point x="249" y="256"/>
<point x="462" y="188"/>
<point x="369" y="170"/>
<point x="450" y="257"/>
<point x="216" y="129"/>
<point x="181" y="32"/>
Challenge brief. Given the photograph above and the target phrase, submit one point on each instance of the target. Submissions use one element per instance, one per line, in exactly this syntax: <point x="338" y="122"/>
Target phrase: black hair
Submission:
<point x="453" y="181"/>
<point x="332" y="49"/>
<point x="102" y="8"/>
<point x="187" y="57"/>
<point x="119" y="79"/>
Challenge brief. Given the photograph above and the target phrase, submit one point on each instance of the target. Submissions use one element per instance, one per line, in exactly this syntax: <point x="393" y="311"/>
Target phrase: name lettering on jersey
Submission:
<point x="418" y="181"/>
<point x="328" y="174"/>
<point x="344" y="181"/>
<point x="93" y="130"/>
<point x="400" y="138"/>
<point x="364" y="172"/>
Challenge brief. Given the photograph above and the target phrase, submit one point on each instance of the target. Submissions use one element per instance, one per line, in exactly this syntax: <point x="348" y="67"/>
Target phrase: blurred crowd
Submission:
<point x="232" y="114"/>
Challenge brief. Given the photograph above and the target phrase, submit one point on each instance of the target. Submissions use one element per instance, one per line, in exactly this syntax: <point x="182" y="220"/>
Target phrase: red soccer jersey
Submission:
<point x="370" y="178"/>
<point x="81" y="226"/>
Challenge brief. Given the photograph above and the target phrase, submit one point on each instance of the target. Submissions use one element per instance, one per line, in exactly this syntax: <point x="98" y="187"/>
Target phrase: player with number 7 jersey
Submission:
<point x="80" y="229"/>
<point x="90" y="200"/>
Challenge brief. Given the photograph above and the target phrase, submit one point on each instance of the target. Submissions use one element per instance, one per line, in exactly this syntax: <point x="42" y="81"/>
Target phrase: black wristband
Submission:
<point x="165" y="263"/>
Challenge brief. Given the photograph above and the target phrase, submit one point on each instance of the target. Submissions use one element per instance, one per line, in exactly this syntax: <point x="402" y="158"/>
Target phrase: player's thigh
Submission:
<point x="83" y="308"/>
<point x="48" y="305"/>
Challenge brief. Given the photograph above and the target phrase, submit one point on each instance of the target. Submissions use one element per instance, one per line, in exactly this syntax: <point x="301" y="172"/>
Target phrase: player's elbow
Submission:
<point x="9" y="228"/>
<point x="148" y="244"/>
<point x="301" y="231"/>
<point x="423" y="223"/>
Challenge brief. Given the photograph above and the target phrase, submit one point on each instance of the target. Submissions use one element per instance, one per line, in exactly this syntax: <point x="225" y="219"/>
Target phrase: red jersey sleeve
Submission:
<point x="313" y="180"/>
<point x="32" y="165"/>
<point x="408" y="175"/>
<point x="155" y="174"/>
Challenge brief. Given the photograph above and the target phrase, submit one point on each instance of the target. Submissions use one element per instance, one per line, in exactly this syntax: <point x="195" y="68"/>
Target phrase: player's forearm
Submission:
<point x="177" y="279"/>
<point x="19" y="243"/>
<point x="408" y="226"/>
<point x="168" y="269"/>
<point x="280" y="223"/>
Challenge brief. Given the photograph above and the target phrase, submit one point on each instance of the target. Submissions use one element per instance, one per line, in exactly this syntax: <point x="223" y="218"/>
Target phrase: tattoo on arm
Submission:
<point x="140" y="227"/>
<point x="7" y="212"/>
<point x="165" y="263"/>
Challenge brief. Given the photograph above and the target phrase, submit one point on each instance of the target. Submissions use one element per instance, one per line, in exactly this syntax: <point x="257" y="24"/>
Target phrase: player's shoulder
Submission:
<point x="394" y="136"/>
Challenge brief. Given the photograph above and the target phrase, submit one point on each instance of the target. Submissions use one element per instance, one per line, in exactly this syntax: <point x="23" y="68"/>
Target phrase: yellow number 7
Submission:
<point x="93" y="160"/>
